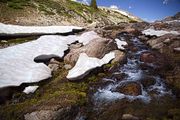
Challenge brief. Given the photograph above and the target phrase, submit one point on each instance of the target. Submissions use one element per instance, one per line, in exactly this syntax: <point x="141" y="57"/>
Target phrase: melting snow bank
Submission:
<point x="85" y="64"/>
<point x="30" y="89"/>
<point x="17" y="62"/>
<point x="16" y="29"/>
<point x="158" y="33"/>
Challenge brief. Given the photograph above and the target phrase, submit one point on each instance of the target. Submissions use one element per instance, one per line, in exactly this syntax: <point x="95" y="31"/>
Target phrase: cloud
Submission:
<point x="114" y="7"/>
<point x="83" y="1"/>
<point x="165" y="2"/>
<point x="86" y="1"/>
<point x="130" y="7"/>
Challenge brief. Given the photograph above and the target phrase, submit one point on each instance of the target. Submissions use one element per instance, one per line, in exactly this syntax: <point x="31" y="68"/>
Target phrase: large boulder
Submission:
<point x="96" y="48"/>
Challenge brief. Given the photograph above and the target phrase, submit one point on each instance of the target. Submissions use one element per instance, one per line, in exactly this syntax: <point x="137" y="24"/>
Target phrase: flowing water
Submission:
<point x="107" y="94"/>
<point x="134" y="73"/>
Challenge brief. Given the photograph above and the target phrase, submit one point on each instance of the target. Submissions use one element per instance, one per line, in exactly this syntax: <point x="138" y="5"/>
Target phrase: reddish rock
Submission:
<point x="147" y="57"/>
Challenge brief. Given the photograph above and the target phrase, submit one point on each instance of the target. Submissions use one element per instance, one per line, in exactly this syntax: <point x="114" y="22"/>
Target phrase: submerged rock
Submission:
<point x="130" y="88"/>
<point x="147" y="81"/>
<point x="119" y="76"/>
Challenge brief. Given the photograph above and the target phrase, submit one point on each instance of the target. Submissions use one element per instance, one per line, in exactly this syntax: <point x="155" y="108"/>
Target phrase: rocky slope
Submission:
<point x="58" y="12"/>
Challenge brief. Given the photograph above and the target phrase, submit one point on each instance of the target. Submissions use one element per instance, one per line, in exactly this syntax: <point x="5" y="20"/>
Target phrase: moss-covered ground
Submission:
<point x="57" y="91"/>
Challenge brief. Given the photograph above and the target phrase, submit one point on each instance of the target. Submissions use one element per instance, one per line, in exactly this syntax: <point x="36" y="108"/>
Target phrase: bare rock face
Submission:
<point x="96" y="48"/>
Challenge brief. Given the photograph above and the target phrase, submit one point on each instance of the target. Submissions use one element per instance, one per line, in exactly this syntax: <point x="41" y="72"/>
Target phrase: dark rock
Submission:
<point x="46" y="58"/>
<point x="118" y="76"/>
<point x="140" y="26"/>
<point x="147" y="81"/>
<point x="130" y="88"/>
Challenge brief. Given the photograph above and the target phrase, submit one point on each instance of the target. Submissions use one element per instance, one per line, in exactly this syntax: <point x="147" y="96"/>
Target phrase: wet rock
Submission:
<point x="147" y="81"/>
<point x="118" y="76"/>
<point x="96" y="48"/>
<point x="129" y="117"/>
<point x="147" y="57"/>
<point x="130" y="88"/>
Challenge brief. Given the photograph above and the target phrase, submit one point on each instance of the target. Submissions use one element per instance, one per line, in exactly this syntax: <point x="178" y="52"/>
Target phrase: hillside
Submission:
<point x="58" y="12"/>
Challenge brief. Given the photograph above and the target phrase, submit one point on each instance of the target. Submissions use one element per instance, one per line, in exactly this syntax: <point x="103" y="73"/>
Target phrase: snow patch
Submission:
<point x="86" y="37"/>
<point x="17" y="64"/>
<point x="172" y="21"/>
<point x="30" y="89"/>
<point x="86" y="63"/>
<point x="17" y="29"/>
<point x="120" y="44"/>
<point x="158" y="33"/>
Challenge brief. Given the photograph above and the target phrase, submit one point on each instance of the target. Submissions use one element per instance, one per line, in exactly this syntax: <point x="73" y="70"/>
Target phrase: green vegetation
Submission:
<point x="55" y="92"/>
<point x="16" y="4"/>
<point x="16" y="41"/>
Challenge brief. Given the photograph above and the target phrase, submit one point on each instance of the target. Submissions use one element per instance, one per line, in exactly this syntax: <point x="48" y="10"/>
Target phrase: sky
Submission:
<point x="148" y="10"/>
